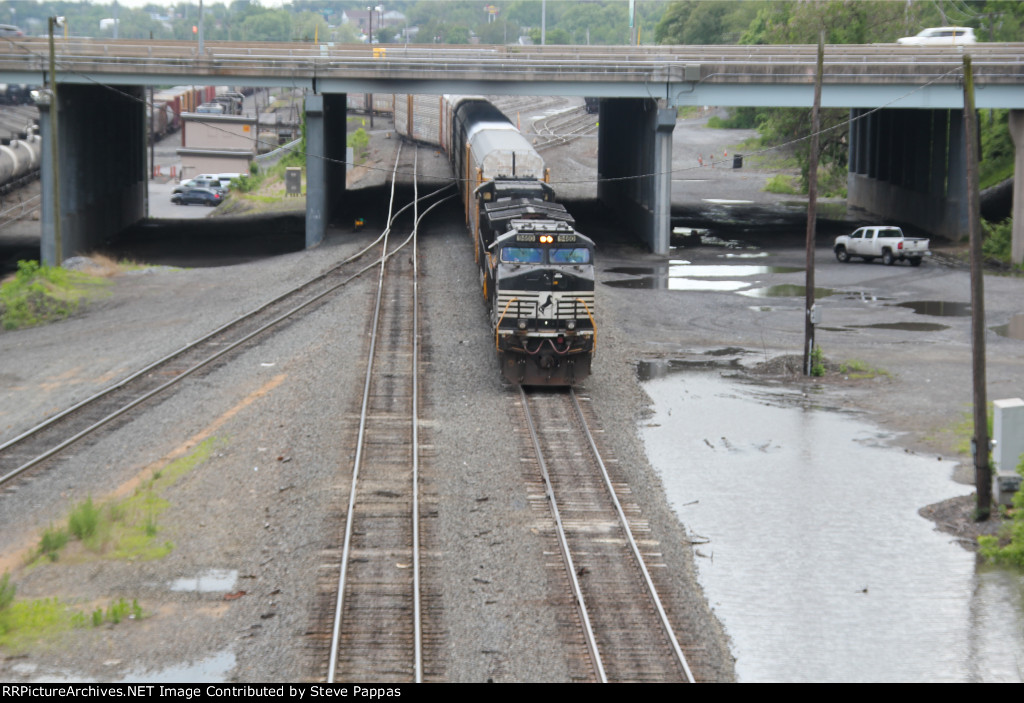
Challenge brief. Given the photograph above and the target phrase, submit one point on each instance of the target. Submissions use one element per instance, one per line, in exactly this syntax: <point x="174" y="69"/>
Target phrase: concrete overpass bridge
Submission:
<point x="906" y="138"/>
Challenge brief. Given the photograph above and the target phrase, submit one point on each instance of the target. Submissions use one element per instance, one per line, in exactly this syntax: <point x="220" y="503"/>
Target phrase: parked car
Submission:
<point x="202" y="181"/>
<point x="881" y="241"/>
<point x="211" y="108"/>
<point x="940" y="36"/>
<point x="199" y="196"/>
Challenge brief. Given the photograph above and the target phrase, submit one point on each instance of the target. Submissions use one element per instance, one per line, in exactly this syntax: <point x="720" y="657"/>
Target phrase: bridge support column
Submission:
<point x="908" y="166"/>
<point x="635" y="166"/>
<point x="1017" y="133"/>
<point x="326" y="132"/>
<point x="102" y="167"/>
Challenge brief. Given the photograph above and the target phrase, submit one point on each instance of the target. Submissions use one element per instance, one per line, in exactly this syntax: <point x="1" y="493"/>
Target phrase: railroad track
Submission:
<point x="563" y="127"/>
<point x="104" y="410"/>
<point x="377" y="633"/>
<point x="626" y="626"/>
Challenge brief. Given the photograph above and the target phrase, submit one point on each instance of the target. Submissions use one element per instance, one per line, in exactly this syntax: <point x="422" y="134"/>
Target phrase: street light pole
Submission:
<point x="58" y="251"/>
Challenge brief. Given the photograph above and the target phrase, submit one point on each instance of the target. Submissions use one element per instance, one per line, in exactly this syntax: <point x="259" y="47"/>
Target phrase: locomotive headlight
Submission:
<point x="571" y="324"/>
<point x="522" y="324"/>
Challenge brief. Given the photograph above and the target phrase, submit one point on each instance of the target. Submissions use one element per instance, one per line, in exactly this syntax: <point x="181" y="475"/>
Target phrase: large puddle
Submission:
<point x="682" y="275"/>
<point x="814" y="555"/>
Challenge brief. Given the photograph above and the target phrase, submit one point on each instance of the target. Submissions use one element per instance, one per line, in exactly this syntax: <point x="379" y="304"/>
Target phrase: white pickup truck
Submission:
<point x="881" y="241"/>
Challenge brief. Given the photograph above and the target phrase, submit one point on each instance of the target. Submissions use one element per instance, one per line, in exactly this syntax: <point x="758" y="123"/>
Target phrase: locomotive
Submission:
<point x="536" y="270"/>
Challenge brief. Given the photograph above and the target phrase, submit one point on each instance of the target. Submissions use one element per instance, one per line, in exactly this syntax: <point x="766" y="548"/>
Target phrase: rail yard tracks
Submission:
<point x="103" y="410"/>
<point x="628" y="630"/>
<point x="563" y="127"/>
<point x="377" y="633"/>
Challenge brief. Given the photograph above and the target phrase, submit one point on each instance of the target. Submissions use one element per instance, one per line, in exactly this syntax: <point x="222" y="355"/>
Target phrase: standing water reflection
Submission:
<point x="817" y="562"/>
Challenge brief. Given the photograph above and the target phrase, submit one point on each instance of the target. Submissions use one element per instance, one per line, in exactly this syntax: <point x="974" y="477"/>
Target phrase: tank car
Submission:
<point x="19" y="161"/>
<point x="536" y="270"/>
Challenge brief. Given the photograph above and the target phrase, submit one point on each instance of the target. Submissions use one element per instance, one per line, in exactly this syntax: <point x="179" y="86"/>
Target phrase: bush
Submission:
<point x="998" y="239"/>
<point x="84" y="520"/>
<point x="781" y="184"/>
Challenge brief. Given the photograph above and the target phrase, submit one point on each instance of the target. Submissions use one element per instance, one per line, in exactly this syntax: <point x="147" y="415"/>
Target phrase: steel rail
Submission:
<point x="417" y="610"/>
<point x="663" y="616"/>
<point x="357" y="462"/>
<point x="588" y="629"/>
<point x="189" y="371"/>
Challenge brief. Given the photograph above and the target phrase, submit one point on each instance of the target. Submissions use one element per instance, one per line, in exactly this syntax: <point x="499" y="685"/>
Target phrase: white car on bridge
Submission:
<point x="940" y="36"/>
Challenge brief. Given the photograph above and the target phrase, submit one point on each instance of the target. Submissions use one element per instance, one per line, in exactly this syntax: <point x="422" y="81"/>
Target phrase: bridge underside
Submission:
<point x="908" y="166"/>
<point x="905" y="166"/>
<point x="634" y="166"/>
<point x="101" y="173"/>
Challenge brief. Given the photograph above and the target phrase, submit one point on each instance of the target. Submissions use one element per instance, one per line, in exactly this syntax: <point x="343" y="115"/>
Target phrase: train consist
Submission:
<point x="537" y="271"/>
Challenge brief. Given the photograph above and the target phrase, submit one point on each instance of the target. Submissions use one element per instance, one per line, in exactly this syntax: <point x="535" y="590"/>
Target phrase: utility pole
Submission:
<point x="58" y="244"/>
<point x="812" y="212"/>
<point x="980" y="443"/>
<point x="543" y="22"/>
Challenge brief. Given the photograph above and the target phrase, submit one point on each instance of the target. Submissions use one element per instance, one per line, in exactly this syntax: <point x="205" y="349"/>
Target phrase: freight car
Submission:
<point x="537" y="271"/>
<point x="19" y="161"/>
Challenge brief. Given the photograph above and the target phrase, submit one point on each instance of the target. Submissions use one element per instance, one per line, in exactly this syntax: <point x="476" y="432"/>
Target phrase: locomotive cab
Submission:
<point x="542" y="289"/>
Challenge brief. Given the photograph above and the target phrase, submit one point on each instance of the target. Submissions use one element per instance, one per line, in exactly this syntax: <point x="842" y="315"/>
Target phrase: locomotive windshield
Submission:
<point x="522" y="255"/>
<point x="576" y="255"/>
<point x="535" y="255"/>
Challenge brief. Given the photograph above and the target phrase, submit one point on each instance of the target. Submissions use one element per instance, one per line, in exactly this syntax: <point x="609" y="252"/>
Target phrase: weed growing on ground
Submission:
<point x="781" y="184"/>
<point x="817" y="362"/>
<point x="128" y="528"/>
<point x="52" y="541"/>
<point x="84" y="520"/>
<point x="7" y="591"/>
<point x="39" y="294"/>
<point x="855" y="368"/>
<point x="1008" y="547"/>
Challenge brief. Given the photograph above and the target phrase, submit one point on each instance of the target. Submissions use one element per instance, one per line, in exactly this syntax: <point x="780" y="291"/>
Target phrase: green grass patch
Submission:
<point x="781" y="184"/>
<point x="40" y="294"/>
<point x="24" y="623"/>
<point x="28" y="622"/>
<point x="855" y="368"/>
<point x="128" y="528"/>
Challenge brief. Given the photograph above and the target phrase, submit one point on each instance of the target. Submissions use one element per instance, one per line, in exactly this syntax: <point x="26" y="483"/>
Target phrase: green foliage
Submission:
<point x="128" y="528"/>
<point x="24" y="623"/>
<point x="40" y="294"/>
<point x="781" y="184"/>
<point x="998" y="239"/>
<point x="52" y="541"/>
<point x="1008" y="547"/>
<point x="739" y="118"/>
<point x="997" y="150"/>
<point x="7" y="591"/>
<point x="854" y="368"/>
<point x="817" y="362"/>
<point x="704" y="22"/>
<point x="84" y="520"/>
<point x="360" y="143"/>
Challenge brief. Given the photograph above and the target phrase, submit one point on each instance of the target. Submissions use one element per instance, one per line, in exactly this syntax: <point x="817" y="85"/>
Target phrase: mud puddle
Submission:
<point x="808" y="540"/>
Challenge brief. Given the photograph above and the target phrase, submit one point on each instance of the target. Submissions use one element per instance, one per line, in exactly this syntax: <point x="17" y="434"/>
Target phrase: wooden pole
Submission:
<point x="980" y="443"/>
<point x="812" y="210"/>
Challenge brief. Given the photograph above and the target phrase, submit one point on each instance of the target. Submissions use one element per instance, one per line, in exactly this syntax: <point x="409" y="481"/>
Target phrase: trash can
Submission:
<point x="737" y="160"/>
